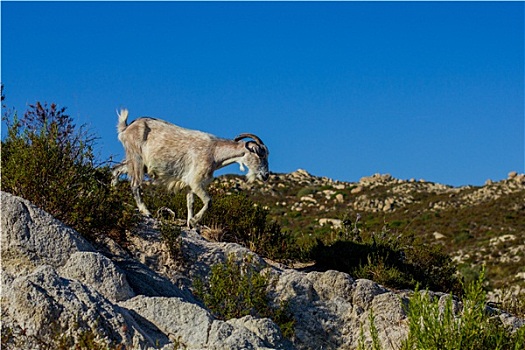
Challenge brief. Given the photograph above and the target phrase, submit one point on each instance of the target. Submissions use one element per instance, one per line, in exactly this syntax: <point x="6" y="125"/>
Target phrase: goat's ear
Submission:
<point x="255" y="148"/>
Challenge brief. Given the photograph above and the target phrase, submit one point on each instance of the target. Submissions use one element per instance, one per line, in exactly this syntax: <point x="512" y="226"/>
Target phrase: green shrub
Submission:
<point x="240" y="219"/>
<point x="157" y="198"/>
<point x="170" y="234"/>
<point x="305" y="191"/>
<point x="436" y="326"/>
<point x="401" y="261"/>
<point x="235" y="290"/>
<point x="49" y="161"/>
<point x="247" y="223"/>
<point x="432" y="326"/>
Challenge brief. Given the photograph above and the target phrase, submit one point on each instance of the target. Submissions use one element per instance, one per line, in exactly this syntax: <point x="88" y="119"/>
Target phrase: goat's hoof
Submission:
<point x="146" y="214"/>
<point x="194" y="225"/>
<point x="197" y="229"/>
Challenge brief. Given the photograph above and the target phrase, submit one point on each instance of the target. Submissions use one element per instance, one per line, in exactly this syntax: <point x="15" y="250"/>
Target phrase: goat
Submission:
<point x="180" y="158"/>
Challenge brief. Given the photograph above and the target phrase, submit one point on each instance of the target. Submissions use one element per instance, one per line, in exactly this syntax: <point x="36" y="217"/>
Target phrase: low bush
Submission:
<point x="438" y="325"/>
<point x="49" y="161"/>
<point x="234" y="290"/>
<point x="247" y="223"/>
<point x="170" y="235"/>
<point x="401" y="261"/>
<point x="239" y="219"/>
<point x="432" y="326"/>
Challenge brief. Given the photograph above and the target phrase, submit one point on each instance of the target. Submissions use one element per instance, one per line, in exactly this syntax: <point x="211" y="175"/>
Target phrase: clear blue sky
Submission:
<point x="342" y="89"/>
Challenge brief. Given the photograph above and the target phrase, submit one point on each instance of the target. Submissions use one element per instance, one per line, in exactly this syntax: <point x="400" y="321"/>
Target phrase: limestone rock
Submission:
<point x="196" y="328"/>
<point x="364" y="293"/>
<point x="174" y="317"/>
<point x="96" y="270"/>
<point x="330" y="308"/>
<point x="438" y="235"/>
<point x="29" y="231"/>
<point x="356" y="189"/>
<point x="46" y="306"/>
<point x="335" y="223"/>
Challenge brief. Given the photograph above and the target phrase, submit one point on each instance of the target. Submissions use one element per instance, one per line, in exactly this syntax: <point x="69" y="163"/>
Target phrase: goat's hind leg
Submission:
<point x="121" y="169"/>
<point x="206" y="201"/>
<point x="118" y="170"/>
<point x="189" y="203"/>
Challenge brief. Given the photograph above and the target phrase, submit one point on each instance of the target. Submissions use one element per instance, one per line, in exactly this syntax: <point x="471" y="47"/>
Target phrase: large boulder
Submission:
<point x="330" y="308"/>
<point x="99" y="272"/>
<point x="31" y="234"/>
<point x="196" y="328"/>
<point x="48" y="308"/>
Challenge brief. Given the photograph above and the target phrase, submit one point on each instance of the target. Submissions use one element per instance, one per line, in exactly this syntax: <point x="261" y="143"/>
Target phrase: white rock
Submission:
<point x="438" y="235"/>
<point x="43" y="303"/>
<point x="356" y="189"/>
<point x="35" y="234"/>
<point x="335" y="223"/>
<point x="174" y="316"/>
<point x="308" y="199"/>
<point x="96" y="270"/>
<point x="501" y="239"/>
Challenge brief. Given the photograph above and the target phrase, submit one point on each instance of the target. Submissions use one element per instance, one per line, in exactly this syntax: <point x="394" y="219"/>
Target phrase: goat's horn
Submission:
<point x="244" y="136"/>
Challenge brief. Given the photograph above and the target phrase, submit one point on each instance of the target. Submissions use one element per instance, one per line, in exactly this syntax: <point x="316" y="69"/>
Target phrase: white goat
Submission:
<point x="180" y="158"/>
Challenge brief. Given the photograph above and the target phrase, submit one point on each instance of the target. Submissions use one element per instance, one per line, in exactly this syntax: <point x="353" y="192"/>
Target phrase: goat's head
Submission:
<point x="256" y="159"/>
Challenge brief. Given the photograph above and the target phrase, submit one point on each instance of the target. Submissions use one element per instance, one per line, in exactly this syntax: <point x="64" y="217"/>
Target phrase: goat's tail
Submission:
<point x="122" y="120"/>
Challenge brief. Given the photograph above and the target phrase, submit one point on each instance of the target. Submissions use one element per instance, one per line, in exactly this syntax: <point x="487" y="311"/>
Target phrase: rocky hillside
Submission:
<point x="58" y="289"/>
<point x="478" y="226"/>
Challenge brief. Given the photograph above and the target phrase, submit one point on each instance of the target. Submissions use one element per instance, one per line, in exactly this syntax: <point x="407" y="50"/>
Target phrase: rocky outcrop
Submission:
<point x="29" y="232"/>
<point x="58" y="288"/>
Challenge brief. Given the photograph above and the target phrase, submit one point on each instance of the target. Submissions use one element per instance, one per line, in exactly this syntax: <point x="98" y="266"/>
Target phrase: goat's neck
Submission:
<point x="228" y="152"/>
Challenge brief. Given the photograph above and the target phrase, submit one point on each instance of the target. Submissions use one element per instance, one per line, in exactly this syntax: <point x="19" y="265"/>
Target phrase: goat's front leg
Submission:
<point x="135" y="189"/>
<point x="206" y="201"/>
<point x="189" y="203"/>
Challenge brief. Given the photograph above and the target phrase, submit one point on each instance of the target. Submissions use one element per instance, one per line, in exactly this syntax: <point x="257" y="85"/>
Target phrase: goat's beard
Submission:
<point x="250" y="177"/>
